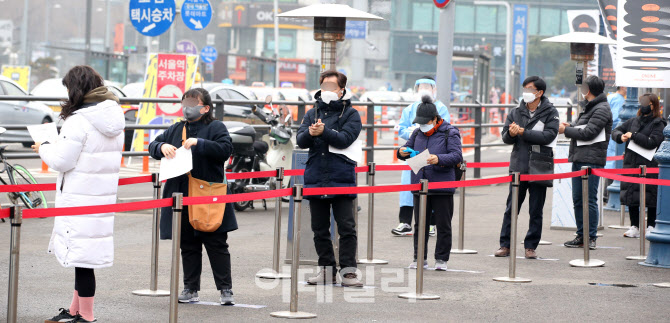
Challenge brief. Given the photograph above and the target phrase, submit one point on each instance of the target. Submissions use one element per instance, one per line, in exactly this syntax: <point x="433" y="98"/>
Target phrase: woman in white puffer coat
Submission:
<point x="87" y="155"/>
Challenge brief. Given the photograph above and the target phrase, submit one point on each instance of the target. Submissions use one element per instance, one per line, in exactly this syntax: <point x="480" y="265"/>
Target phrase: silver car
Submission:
<point x="20" y="113"/>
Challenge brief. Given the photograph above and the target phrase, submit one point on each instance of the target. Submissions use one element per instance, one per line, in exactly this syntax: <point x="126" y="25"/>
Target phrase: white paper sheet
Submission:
<point x="181" y="164"/>
<point x="539" y="126"/>
<point x="419" y="161"/>
<point x="44" y="132"/>
<point x="646" y="153"/>
<point x="601" y="137"/>
<point x="354" y="151"/>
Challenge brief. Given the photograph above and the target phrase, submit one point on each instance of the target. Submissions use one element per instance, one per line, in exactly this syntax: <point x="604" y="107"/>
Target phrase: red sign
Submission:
<point x="171" y="82"/>
<point x="441" y="3"/>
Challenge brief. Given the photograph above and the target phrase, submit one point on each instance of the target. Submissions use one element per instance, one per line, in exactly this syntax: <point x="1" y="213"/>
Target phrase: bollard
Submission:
<point x="662" y="285"/>
<point x="461" y="218"/>
<point x="45" y="168"/>
<point x="513" y="245"/>
<point x="295" y="261"/>
<point x="277" y="235"/>
<point x="395" y="144"/>
<point x="421" y="247"/>
<point x="15" y="244"/>
<point x="371" y="210"/>
<point x="643" y="217"/>
<point x="145" y="159"/>
<point x="123" y="164"/>
<point x="177" y="205"/>
<point x="587" y="261"/>
<point x="155" y="228"/>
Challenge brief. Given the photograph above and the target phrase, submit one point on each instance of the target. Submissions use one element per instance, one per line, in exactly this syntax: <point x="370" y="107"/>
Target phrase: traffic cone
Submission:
<point x="45" y="168"/>
<point x="123" y="164"/>
<point x="395" y="144"/>
<point x="145" y="159"/>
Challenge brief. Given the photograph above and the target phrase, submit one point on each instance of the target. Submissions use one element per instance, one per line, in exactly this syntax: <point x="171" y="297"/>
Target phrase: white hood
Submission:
<point x="107" y="117"/>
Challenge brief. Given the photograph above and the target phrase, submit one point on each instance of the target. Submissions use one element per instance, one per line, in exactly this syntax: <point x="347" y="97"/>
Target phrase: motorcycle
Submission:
<point x="251" y="155"/>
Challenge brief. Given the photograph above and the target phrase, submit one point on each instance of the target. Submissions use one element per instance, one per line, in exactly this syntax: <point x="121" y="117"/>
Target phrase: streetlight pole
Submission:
<point x="276" y="22"/>
<point x="508" y="40"/>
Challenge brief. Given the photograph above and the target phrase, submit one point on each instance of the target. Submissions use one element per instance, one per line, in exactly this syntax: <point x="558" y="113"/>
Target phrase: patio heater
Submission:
<point x="329" y="26"/>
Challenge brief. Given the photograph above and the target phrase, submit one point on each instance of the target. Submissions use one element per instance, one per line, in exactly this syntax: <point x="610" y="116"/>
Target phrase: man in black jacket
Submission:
<point x="533" y="126"/>
<point x="332" y="123"/>
<point x="593" y="120"/>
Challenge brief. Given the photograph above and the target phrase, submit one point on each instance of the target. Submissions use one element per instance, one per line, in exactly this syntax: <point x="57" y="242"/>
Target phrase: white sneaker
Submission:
<point x="440" y="265"/>
<point x="432" y="231"/>
<point x="633" y="232"/>
<point x="414" y="264"/>
<point x="403" y="229"/>
<point x="649" y="229"/>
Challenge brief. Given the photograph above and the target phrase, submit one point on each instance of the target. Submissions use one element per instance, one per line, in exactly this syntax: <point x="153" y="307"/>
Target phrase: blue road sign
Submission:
<point x="519" y="38"/>
<point x="356" y="29"/>
<point x="152" y="17"/>
<point x="185" y="46"/>
<point x="208" y="54"/>
<point x="196" y="14"/>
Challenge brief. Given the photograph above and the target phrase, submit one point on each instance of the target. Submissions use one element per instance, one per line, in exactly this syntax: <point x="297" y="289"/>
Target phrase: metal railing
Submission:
<point x="368" y="125"/>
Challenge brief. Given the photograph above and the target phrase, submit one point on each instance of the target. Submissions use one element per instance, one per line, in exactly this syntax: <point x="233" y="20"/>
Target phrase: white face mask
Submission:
<point x="425" y="127"/>
<point x="327" y="96"/>
<point x="528" y="97"/>
<point x="584" y="95"/>
<point x="423" y="93"/>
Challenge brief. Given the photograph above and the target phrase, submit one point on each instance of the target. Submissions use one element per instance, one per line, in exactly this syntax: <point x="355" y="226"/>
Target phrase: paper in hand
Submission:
<point x="353" y="152"/>
<point x="600" y="138"/>
<point x="182" y="163"/>
<point x="646" y="153"/>
<point x="539" y="126"/>
<point x="418" y="162"/>
<point x="44" y="132"/>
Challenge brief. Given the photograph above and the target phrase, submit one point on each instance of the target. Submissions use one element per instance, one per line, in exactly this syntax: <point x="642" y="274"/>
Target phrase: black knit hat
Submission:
<point x="426" y="111"/>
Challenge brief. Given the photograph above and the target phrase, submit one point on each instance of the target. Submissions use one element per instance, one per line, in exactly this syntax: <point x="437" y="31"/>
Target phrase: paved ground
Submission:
<point x="558" y="292"/>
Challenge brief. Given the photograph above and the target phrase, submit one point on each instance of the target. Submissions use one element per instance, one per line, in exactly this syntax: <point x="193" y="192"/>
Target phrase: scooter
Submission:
<point x="251" y="155"/>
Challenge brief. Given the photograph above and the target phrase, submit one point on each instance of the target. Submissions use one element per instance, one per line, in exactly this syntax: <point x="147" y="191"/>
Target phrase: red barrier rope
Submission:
<point x="653" y="170"/>
<point x="4" y="213"/>
<point x="488" y="165"/>
<point x="622" y="171"/>
<point x="237" y="197"/>
<point x="294" y="172"/>
<point x="546" y="177"/>
<point x="363" y="169"/>
<point x="628" y="179"/>
<point x="250" y="175"/>
<point x="360" y="189"/>
<point x="52" y="186"/>
<point x="391" y="168"/>
<point x="93" y="209"/>
<point x="136" y="180"/>
<point x="471" y="182"/>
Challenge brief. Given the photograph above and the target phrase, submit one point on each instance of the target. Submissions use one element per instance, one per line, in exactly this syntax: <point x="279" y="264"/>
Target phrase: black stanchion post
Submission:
<point x="587" y="261"/>
<point x="15" y="246"/>
<point x="371" y="218"/>
<point x="478" y="137"/>
<point x="177" y="205"/>
<point x="512" y="246"/>
<point x="643" y="216"/>
<point x="218" y="108"/>
<point x="370" y="137"/>
<point x="275" y="274"/>
<point x="461" y="217"/>
<point x="155" y="227"/>
<point x="295" y="261"/>
<point x="421" y="247"/>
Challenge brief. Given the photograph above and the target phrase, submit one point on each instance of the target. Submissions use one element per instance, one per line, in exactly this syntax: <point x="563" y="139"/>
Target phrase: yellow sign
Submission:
<point x="147" y="111"/>
<point x="18" y="74"/>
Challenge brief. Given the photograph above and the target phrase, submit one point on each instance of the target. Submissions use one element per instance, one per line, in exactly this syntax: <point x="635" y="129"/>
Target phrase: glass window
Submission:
<point x="565" y="27"/>
<point x="12" y="89"/>
<point x="486" y="19"/>
<point x="221" y="94"/>
<point x="502" y="20"/>
<point x="549" y="21"/>
<point x="234" y="95"/>
<point x="422" y="16"/>
<point x="465" y="18"/>
<point x="533" y="21"/>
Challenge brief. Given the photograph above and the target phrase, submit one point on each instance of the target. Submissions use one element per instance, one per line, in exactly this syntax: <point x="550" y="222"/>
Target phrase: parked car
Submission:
<point x="20" y="113"/>
<point x="231" y="112"/>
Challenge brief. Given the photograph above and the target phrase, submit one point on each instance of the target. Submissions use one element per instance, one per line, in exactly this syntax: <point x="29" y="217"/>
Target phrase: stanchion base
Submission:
<point x="587" y="264"/>
<point x="619" y="227"/>
<point x="512" y="280"/>
<point x="372" y="261"/>
<point x="597" y="234"/>
<point x="662" y="285"/>
<point x="419" y="296"/>
<point x="545" y="243"/>
<point x="293" y="315"/>
<point x="151" y="293"/>
<point x="464" y="251"/>
<point x="273" y="276"/>
<point x="636" y="258"/>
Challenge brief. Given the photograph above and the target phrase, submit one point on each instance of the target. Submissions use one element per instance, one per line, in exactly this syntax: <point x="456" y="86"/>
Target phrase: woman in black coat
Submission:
<point x="211" y="146"/>
<point x="645" y="130"/>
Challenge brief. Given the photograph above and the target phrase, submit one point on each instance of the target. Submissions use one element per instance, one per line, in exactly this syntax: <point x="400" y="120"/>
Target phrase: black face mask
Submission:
<point x="645" y="110"/>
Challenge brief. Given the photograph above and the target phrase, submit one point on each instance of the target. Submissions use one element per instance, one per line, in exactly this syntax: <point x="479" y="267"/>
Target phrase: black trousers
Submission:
<point x="84" y="281"/>
<point x="634" y="213"/>
<point x="407" y="213"/>
<point x="191" y="253"/>
<point x="442" y="208"/>
<point x="343" y="212"/>
<point x="537" y="197"/>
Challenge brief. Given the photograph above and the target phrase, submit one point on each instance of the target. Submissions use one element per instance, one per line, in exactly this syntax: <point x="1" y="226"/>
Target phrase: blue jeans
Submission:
<point x="593" y="200"/>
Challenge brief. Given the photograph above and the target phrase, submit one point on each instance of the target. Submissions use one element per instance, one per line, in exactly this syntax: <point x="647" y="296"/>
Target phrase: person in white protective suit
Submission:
<point x="424" y="86"/>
